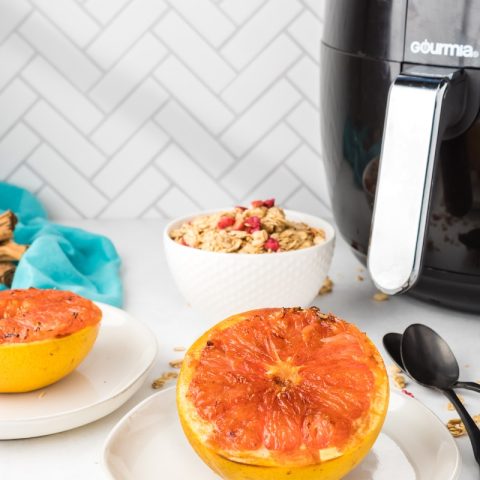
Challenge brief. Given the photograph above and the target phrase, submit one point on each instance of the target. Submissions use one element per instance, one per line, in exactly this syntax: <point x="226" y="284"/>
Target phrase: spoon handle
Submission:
<point x="470" y="425"/>
<point x="468" y="386"/>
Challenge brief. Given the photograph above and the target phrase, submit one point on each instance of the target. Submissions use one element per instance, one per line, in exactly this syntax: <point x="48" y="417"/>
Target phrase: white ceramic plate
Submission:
<point x="148" y="443"/>
<point x="112" y="372"/>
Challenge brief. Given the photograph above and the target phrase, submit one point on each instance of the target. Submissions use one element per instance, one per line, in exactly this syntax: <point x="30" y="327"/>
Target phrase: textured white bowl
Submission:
<point x="222" y="284"/>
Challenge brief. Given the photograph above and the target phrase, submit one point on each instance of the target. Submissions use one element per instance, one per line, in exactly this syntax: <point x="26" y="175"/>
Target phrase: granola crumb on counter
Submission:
<point x="262" y="228"/>
<point x="179" y="349"/>
<point x="163" y="379"/>
<point x="176" y="363"/>
<point x="360" y="278"/>
<point x="327" y="286"/>
<point x="380" y="297"/>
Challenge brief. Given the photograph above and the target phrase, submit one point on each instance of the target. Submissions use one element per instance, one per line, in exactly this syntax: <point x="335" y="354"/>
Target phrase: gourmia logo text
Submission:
<point x="447" y="49"/>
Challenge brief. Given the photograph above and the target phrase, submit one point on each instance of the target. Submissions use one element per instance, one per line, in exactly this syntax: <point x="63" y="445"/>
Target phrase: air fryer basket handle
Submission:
<point x="421" y="106"/>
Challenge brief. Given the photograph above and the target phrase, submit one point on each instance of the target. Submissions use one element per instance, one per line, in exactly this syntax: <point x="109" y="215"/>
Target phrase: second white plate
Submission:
<point x="112" y="372"/>
<point x="148" y="443"/>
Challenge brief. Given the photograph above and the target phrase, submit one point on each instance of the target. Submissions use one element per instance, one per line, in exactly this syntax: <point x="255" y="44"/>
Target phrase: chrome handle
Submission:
<point x="414" y="124"/>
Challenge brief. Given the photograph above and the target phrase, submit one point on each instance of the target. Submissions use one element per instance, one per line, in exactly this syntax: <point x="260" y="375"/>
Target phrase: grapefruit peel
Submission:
<point x="30" y="366"/>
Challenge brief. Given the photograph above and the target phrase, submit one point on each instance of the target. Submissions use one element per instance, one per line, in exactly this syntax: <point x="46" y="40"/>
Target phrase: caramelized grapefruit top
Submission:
<point x="283" y="387"/>
<point x="32" y="314"/>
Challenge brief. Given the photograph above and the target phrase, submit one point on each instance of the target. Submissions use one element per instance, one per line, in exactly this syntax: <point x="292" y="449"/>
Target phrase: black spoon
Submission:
<point x="392" y="343"/>
<point x="428" y="360"/>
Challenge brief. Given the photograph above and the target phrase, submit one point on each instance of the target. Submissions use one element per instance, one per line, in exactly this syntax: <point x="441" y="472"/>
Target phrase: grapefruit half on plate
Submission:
<point x="44" y="335"/>
<point x="282" y="393"/>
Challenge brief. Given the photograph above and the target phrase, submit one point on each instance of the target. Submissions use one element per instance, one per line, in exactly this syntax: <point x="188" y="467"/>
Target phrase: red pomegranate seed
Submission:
<point x="406" y="392"/>
<point x="252" y="224"/>
<point x="257" y="203"/>
<point x="225" y="222"/>
<point x="238" y="225"/>
<point x="240" y="207"/>
<point x="269" y="203"/>
<point x="271" y="244"/>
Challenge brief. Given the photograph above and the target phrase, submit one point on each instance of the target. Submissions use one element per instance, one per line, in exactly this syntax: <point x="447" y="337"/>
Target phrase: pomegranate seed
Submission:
<point x="252" y="224"/>
<point x="240" y="207"/>
<point x="257" y="203"/>
<point x="225" y="222"/>
<point x="269" y="203"/>
<point x="406" y="392"/>
<point x="238" y="225"/>
<point x="271" y="244"/>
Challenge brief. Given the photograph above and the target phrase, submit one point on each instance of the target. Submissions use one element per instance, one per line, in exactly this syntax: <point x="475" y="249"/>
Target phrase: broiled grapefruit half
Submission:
<point x="44" y="335"/>
<point x="282" y="393"/>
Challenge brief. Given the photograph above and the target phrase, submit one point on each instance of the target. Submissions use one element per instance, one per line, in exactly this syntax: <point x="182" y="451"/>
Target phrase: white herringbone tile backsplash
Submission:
<point x="155" y="108"/>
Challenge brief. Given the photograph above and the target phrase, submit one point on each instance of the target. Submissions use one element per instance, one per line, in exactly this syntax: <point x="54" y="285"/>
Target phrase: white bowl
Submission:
<point x="222" y="284"/>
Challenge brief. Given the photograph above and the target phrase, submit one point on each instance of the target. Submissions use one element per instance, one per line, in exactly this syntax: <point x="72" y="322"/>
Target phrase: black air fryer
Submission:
<point x="400" y="96"/>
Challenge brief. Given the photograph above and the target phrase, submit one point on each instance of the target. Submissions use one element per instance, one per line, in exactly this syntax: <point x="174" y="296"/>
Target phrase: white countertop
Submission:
<point x="151" y="296"/>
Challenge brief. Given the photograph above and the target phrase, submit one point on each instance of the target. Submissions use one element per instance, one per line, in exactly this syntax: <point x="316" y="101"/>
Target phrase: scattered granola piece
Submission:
<point x="394" y="368"/>
<point x="380" y="297"/>
<point x="398" y="378"/>
<point x="327" y="286"/>
<point x="179" y="349"/>
<point x="457" y="428"/>
<point x="360" y="278"/>
<point x="399" y="381"/>
<point x="42" y="394"/>
<point x="176" y="363"/>
<point x="163" y="379"/>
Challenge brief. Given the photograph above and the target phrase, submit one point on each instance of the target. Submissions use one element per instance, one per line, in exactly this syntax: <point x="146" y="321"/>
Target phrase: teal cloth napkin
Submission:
<point x="61" y="257"/>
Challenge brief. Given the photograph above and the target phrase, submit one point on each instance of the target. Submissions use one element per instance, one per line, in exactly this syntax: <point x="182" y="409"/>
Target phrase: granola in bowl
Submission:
<point x="262" y="228"/>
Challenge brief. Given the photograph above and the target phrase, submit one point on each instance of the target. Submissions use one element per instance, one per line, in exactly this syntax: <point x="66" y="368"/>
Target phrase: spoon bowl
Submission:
<point x="427" y="354"/>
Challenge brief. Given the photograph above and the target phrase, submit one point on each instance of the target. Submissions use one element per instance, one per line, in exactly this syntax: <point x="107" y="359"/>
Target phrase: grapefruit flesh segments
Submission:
<point x="44" y="335"/>
<point x="282" y="393"/>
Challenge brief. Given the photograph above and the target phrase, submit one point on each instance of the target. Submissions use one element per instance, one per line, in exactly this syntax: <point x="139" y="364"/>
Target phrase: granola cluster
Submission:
<point x="262" y="228"/>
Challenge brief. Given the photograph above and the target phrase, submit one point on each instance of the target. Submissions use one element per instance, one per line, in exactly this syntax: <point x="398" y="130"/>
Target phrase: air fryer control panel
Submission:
<point x="443" y="32"/>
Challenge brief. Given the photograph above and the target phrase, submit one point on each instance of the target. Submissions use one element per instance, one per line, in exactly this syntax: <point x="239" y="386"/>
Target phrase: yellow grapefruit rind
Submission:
<point x="29" y="366"/>
<point x="251" y="465"/>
